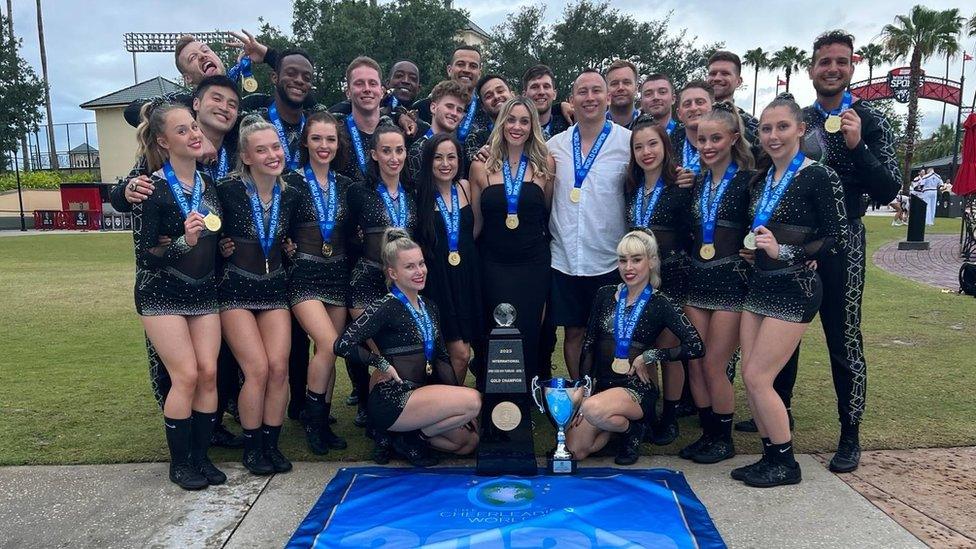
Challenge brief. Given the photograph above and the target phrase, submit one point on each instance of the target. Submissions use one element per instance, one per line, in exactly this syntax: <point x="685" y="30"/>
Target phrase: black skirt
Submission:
<point x="367" y="283"/>
<point x="792" y="294"/>
<point x="324" y="279"/>
<point x="674" y="276"/>
<point x="719" y="285"/>
<point x="241" y="289"/>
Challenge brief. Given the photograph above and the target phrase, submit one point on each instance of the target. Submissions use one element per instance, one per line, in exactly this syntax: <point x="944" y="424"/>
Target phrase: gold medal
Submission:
<point x="212" y="222"/>
<point x="707" y="251"/>
<point x="575" y="194"/>
<point x="620" y="365"/>
<point x="512" y="221"/>
<point x="832" y="124"/>
<point x="454" y="259"/>
<point x="429" y="369"/>
<point x="326" y="249"/>
<point x="250" y="84"/>
<point x="750" y="241"/>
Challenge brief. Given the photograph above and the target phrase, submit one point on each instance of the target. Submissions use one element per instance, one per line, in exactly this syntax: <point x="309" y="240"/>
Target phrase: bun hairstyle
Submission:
<point x="642" y="242"/>
<point x="727" y="114"/>
<point x="395" y="240"/>
<point x="152" y="124"/>
<point x="384" y="127"/>
<point x="250" y="125"/>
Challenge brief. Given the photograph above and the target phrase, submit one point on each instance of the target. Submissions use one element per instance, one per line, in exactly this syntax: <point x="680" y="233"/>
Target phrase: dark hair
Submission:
<point x="699" y="84"/>
<point x="341" y="157"/>
<point x="218" y="80"/>
<point x="657" y="76"/>
<point x="833" y="37"/>
<point x="289" y="53"/>
<point x="373" y="167"/>
<point x="465" y="47"/>
<point x="484" y="80"/>
<point x="635" y="173"/>
<point x="622" y="64"/>
<point x="587" y="71"/>
<point x="449" y="87"/>
<point x="764" y="161"/>
<point x="723" y="55"/>
<point x="397" y="62"/>
<point x="535" y="72"/>
<point x="426" y="189"/>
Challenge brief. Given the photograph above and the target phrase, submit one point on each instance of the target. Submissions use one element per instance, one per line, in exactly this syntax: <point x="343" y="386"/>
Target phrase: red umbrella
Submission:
<point x="965" y="182"/>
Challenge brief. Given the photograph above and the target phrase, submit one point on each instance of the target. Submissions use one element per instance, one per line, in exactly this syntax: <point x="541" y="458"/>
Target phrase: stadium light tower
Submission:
<point x="155" y="42"/>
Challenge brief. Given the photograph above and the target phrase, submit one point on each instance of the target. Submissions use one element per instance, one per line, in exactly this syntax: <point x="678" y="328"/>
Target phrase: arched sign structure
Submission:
<point x="895" y="85"/>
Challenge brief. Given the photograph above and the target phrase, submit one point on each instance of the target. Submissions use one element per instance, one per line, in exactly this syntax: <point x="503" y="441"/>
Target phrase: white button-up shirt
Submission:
<point x="585" y="234"/>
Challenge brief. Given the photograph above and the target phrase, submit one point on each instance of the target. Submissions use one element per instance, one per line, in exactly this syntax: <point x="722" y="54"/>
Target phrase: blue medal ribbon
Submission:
<point x="633" y="115"/>
<point x="690" y="158"/>
<point x="845" y="104"/>
<point x="513" y="186"/>
<point x="671" y="126"/>
<point x="266" y="234"/>
<point x="642" y="213"/>
<point x="580" y="167"/>
<point x="465" y="128"/>
<point x="177" y="189"/>
<point x="223" y="165"/>
<point x="394" y="102"/>
<point x="325" y="210"/>
<point x="547" y="129"/>
<point x="430" y="133"/>
<point x="452" y="218"/>
<point x="357" y="143"/>
<point x="624" y="324"/>
<point x="425" y="325"/>
<point x="398" y="212"/>
<point x="771" y="196"/>
<point x="709" y="205"/>
<point x="291" y="157"/>
<point x="237" y="71"/>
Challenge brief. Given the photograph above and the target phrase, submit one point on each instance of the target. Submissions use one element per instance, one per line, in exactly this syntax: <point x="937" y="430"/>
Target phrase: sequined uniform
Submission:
<point x="390" y="325"/>
<point x="177" y="279"/>
<point x="721" y="283"/>
<point x="809" y="223"/>
<point x="367" y="283"/>
<point x="671" y="225"/>
<point x="244" y="284"/>
<point x="659" y="313"/>
<point x="312" y="275"/>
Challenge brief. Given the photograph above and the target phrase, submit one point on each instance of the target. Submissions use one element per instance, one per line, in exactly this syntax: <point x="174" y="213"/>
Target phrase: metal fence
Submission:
<point x="74" y="149"/>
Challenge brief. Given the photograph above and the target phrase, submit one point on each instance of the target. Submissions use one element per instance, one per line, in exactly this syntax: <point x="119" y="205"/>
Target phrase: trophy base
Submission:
<point x="561" y="466"/>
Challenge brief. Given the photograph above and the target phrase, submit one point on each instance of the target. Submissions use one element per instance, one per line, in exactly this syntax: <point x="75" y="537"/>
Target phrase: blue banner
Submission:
<point x="454" y="508"/>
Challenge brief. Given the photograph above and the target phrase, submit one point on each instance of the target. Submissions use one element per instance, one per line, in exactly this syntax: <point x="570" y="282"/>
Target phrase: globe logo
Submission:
<point x="502" y="494"/>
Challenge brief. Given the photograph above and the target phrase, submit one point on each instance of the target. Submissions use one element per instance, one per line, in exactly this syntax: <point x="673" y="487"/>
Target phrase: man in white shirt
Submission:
<point x="927" y="188"/>
<point x="587" y="218"/>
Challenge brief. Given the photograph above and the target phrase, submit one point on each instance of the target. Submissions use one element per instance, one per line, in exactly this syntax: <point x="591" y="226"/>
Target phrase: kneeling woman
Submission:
<point x="176" y="296"/>
<point x="413" y="389"/>
<point x="619" y="352"/>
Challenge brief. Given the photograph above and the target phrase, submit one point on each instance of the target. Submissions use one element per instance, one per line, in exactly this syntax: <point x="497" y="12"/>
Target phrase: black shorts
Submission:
<point x="386" y="402"/>
<point x="645" y="394"/>
<point x="572" y="296"/>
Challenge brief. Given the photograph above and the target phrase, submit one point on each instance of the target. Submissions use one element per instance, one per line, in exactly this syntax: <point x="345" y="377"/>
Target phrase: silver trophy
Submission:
<point x="560" y="399"/>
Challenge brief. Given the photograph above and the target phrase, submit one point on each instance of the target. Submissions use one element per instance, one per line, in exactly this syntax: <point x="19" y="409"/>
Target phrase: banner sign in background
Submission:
<point x="454" y="508"/>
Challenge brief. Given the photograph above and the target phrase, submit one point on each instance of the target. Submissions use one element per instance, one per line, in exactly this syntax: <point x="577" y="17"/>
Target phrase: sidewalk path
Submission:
<point x="938" y="266"/>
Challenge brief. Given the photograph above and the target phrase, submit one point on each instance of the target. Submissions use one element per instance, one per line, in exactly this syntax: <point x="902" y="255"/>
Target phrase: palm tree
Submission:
<point x="789" y="59"/>
<point x="917" y="36"/>
<point x="873" y="54"/>
<point x="759" y="60"/>
<point x="52" y="149"/>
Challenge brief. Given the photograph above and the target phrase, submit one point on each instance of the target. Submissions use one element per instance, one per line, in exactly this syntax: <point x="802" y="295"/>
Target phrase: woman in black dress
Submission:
<point x="656" y="202"/>
<point x="319" y="275"/>
<point x="413" y="389"/>
<point x="258" y="206"/>
<point x="621" y="353"/>
<point x="719" y="278"/>
<point x="515" y="188"/>
<point x="175" y="292"/>
<point x="797" y="215"/>
<point x="447" y="224"/>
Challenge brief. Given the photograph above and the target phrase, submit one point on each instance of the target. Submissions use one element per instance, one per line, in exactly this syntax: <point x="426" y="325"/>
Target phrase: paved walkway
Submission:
<point x="938" y="266"/>
<point x="136" y="506"/>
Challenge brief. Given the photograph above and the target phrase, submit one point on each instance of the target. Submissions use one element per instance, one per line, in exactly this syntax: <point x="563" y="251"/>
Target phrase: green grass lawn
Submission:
<point x="74" y="385"/>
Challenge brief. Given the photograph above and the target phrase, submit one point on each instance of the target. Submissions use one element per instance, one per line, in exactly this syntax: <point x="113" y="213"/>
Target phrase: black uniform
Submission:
<point x="678" y="139"/>
<point x="390" y="325"/>
<point x="557" y="123"/>
<point x="671" y="225"/>
<point x="599" y="344"/>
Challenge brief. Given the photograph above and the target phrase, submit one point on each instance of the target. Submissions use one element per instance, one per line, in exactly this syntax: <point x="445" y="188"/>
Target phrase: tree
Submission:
<point x="872" y="54"/>
<point x="917" y="36"/>
<point x="941" y="143"/>
<point x="759" y="60"/>
<point x="21" y="96"/>
<point x="51" y="146"/>
<point x="519" y="43"/>
<point x="790" y="59"/>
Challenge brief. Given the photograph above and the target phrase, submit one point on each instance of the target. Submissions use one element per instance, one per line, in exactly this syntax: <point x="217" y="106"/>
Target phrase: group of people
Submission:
<point x="655" y="226"/>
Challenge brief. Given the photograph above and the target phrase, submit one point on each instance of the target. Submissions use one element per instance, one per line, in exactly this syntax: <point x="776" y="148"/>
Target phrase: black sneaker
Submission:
<point x="332" y="440"/>
<point x="225" y="439"/>
<point x="714" y="451"/>
<point x="313" y="436"/>
<point x="848" y="456"/>
<point x="414" y="450"/>
<point x="186" y="476"/>
<point x="295" y="408"/>
<point x="210" y="471"/>
<point x="685" y="409"/>
<point x="692" y="449"/>
<point x="768" y="474"/>
<point x="382" y="448"/>
<point x="746" y="426"/>
<point x="665" y="433"/>
<point x="257" y="463"/>
<point x="739" y="473"/>
<point x="278" y="461"/>
<point x="352" y="399"/>
<point x="629" y="450"/>
<point x="361" y="418"/>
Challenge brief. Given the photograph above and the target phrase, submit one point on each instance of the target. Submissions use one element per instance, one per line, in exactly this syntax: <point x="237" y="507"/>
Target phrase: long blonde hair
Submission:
<point x="250" y="125"/>
<point x="535" y="147"/>
<point x="641" y="242"/>
<point x="152" y="124"/>
<point x="395" y="240"/>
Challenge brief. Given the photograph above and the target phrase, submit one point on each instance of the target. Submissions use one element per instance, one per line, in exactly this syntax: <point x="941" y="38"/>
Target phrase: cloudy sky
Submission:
<point x="86" y="58"/>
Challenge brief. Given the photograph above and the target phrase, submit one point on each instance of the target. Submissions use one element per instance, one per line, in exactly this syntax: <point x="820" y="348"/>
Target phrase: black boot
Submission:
<point x="719" y="447"/>
<point x="254" y="459"/>
<point x="414" y="449"/>
<point x="202" y="427"/>
<point x="739" y="473"/>
<point x="312" y="420"/>
<point x="181" y="471"/>
<point x="362" y="418"/>
<point x="779" y="469"/>
<point x="629" y="450"/>
<point x="666" y="431"/>
<point x="328" y="436"/>
<point x="705" y="418"/>
<point x="382" y="447"/>
<point x="848" y="455"/>
<point x="269" y="436"/>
